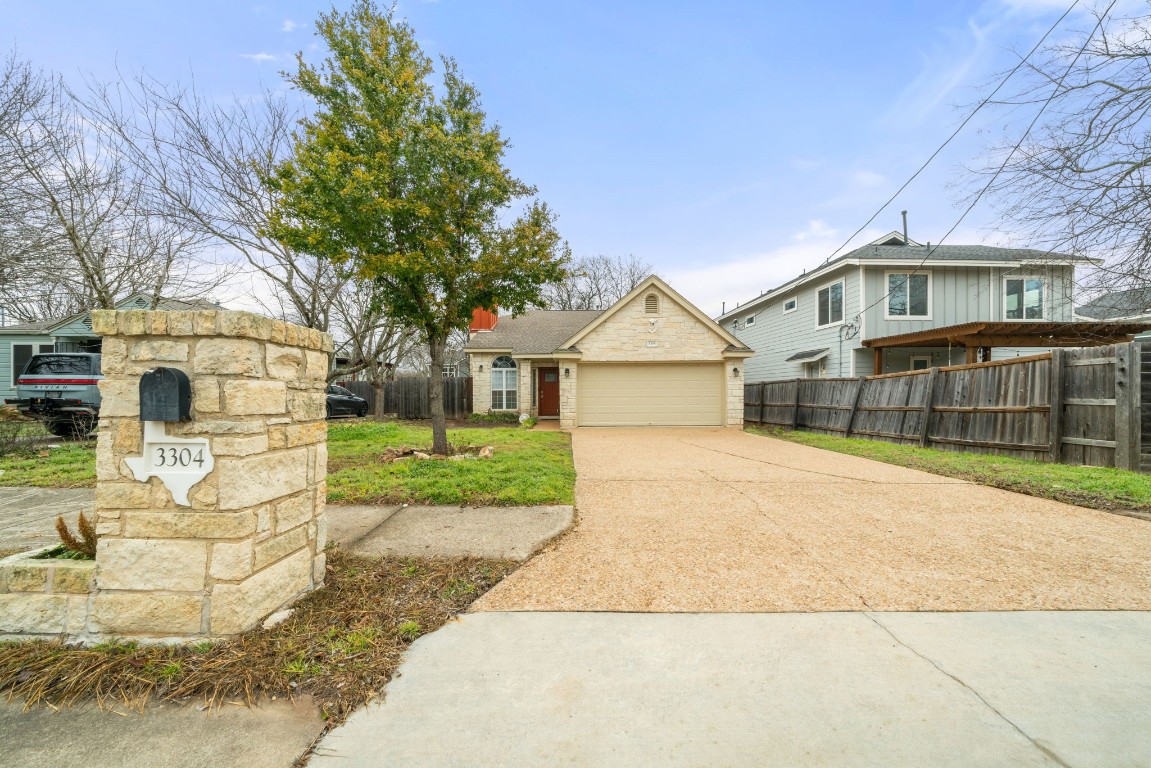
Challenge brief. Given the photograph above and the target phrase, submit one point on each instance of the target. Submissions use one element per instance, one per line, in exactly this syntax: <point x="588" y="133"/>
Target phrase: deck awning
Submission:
<point x="810" y="356"/>
<point x="1017" y="334"/>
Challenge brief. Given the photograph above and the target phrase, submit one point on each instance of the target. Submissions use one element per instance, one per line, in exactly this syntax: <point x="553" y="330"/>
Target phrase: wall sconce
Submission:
<point x="481" y="368"/>
<point x="735" y="373"/>
<point x="567" y="372"/>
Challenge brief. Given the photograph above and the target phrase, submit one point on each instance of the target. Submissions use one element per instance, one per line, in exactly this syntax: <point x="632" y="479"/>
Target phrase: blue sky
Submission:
<point x="730" y="144"/>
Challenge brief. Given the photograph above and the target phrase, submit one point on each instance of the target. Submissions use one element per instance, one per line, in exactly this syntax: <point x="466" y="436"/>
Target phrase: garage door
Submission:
<point x="641" y="395"/>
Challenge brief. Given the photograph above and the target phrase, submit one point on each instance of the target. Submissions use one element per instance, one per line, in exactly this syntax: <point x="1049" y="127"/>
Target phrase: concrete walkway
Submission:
<point x="28" y="515"/>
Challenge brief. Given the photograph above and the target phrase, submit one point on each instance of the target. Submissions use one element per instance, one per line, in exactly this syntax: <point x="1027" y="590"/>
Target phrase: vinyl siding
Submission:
<point x="6" y="342"/>
<point x="776" y="336"/>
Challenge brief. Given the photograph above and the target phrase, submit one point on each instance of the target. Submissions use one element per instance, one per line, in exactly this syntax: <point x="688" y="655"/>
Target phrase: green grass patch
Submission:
<point x="528" y="468"/>
<point x="71" y="465"/>
<point x="1095" y="487"/>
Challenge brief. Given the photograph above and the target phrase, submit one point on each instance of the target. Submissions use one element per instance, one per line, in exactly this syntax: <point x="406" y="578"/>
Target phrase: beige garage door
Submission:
<point x="642" y="395"/>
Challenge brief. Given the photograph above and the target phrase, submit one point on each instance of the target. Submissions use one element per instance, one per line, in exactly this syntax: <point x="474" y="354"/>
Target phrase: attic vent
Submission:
<point x="651" y="304"/>
<point x="87" y="322"/>
<point x="141" y="302"/>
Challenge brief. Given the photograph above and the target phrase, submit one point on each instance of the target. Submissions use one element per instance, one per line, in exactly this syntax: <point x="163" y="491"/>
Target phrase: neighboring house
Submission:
<point x="891" y="306"/>
<point x="1132" y="305"/>
<point x="650" y="359"/>
<point x="71" y="334"/>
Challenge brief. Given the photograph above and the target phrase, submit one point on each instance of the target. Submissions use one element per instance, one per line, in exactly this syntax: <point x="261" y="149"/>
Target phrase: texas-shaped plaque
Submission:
<point x="179" y="462"/>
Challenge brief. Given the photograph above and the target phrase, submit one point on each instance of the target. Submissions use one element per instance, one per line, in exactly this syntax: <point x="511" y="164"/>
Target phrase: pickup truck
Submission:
<point x="60" y="389"/>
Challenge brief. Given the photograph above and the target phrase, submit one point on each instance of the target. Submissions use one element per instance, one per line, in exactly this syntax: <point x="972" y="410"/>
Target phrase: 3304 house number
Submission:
<point x="166" y="456"/>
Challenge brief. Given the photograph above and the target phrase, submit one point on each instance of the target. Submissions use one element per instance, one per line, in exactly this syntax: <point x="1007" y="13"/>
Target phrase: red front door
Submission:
<point x="548" y="384"/>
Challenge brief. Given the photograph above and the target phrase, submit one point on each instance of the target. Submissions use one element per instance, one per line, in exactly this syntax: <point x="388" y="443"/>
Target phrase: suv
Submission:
<point x="61" y="390"/>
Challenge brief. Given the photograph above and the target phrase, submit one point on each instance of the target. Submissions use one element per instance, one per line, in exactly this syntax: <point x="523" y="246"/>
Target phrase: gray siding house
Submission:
<point x="816" y="325"/>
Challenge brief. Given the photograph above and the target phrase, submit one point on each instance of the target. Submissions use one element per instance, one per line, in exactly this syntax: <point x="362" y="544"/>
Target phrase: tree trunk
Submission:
<point x="436" y="345"/>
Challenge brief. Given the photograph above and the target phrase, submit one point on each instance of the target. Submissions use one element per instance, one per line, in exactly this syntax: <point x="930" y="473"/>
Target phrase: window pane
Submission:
<point x="21" y="354"/>
<point x="1034" y="300"/>
<point x="917" y="288"/>
<point x="1014" y="302"/>
<point x="510" y="399"/>
<point x="837" y="303"/>
<point x="823" y="307"/>
<point x="897" y="295"/>
<point x="497" y="399"/>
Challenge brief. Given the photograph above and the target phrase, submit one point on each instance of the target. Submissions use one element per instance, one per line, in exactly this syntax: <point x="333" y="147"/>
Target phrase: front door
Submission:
<point x="549" y="391"/>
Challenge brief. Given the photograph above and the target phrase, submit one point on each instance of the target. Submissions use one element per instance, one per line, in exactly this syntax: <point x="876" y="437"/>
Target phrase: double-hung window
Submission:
<point x="908" y="295"/>
<point x="829" y="300"/>
<point x="1023" y="298"/>
<point x="504" y="384"/>
<point x="22" y="353"/>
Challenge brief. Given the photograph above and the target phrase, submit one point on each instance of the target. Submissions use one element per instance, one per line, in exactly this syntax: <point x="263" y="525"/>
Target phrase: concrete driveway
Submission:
<point x="718" y="520"/>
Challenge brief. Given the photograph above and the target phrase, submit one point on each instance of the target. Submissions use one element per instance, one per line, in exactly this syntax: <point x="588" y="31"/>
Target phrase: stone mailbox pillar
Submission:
<point x="208" y="525"/>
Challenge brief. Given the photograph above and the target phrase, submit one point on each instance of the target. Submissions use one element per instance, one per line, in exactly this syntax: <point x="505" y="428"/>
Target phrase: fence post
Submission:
<point x="1055" y="401"/>
<point x="795" y="414"/>
<point x="929" y="400"/>
<point x="762" y="407"/>
<point x="854" y="406"/>
<point x="1126" y="409"/>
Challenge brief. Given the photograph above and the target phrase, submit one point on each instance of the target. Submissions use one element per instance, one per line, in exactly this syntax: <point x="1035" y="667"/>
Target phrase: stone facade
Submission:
<point x="252" y="539"/>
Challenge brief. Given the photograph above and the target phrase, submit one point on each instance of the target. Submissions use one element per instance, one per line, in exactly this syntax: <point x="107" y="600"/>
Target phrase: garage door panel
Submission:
<point x="656" y="395"/>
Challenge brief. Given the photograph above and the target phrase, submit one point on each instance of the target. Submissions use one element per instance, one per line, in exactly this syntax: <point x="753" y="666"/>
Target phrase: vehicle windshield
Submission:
<point x="56" y="364"/>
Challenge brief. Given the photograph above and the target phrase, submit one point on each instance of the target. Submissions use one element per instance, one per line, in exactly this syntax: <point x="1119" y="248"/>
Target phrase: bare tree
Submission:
<point x="78" y="226"/>
<point x="1079" y="183"/>
<point x="597" y="282"/>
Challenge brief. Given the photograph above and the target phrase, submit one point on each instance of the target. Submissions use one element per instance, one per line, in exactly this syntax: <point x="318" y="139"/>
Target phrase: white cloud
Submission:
<point x="259" y="58"/>
<point x="817" y="230"/>
<point x="288" y="25"/>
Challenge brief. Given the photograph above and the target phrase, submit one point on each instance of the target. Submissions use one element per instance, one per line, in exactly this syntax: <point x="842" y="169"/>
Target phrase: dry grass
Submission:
<point x="341" y="645"/>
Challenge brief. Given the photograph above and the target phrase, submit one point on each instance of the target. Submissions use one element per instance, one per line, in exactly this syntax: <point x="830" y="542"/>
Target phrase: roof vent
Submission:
<point x="651" y="304"/>
<point x="87" y="322"/>
<point x="140" y="302"/>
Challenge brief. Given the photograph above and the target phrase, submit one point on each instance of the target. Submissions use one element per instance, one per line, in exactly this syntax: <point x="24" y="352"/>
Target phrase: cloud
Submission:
<point x="288" y="25"/>
<point x="259" y="58"/>
<point x="816" y="230"/>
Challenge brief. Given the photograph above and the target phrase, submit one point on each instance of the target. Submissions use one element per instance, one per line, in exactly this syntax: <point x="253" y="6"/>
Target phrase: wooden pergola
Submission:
<point x="985" y="335"/>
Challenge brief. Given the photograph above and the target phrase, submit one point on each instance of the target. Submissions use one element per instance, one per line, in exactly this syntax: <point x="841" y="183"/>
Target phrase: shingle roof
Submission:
<point x="539" y="331"/>
<point x="31" y="328"/>
<point x="1130" y="303"/>
<point x="44" y="326"/>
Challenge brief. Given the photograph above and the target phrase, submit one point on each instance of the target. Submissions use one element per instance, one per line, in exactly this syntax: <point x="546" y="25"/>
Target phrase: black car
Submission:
<point x="342" y="402"/>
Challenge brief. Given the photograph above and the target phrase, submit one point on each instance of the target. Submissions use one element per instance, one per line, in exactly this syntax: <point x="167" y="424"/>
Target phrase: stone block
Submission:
<point x="244" y="445"/>
<point x="319" y="570"/>
<point x="205" y="495"/>
<point x="106" y="464"/>
<point x="189" y="525"/>
<point x="327" y="343"/>
<point x="261" y="327"/>
<point x="73" y="577"/>
<point x="321" y="533"/>
<point x="294" y="511"/>
<point x="314" y="339"/>
<point x="151" y="564"/>
<point x="26" y="577"/>
<point x="319" y="364"/>
<point x="216" y="427"/>
<point x="284" y="363"/>
<point x="292" y="334"/>
<point x="237" y="607"/>
<point x="108" y="528"/>
<point x="231" y="561"/>
<point x="133" y="322"/>
<point x="23" y="613"/>
<point x="147" y="614"/>
<point x="113" y="351"/>
<point x="104" y="322"/>
<point x="120" y="398"/>
<point x="181" y="324"/>
<point x="249" y="398"/>
<point x="206" y="396"/>
<point x="129" y="495"/>
<point x="204" y="322"/>
<point x="279" y="332"/>
<point x="159" y="351"/>
<point x="281" y="546"/>
<point x="252" y="480"/>
<point x="158" y="323"/>
<point x="308" y="433"/>
<point x="308" y="406"/>
<point x="321" y="465"/>
<point x="277" y="437"/>
<point x="127" y="435"/>
<point x="238" y="357"/>
<point x="231" y="323"/>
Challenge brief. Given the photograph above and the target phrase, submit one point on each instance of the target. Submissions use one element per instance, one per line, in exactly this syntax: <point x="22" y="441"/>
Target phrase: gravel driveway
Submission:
<point x="718" y="520"/>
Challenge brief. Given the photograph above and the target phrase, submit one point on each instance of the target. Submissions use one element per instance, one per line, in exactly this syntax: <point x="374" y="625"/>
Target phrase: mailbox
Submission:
<point x="165" y="395"/>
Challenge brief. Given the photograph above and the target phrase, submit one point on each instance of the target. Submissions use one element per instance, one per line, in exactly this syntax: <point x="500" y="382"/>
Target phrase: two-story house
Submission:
<point x="895" y="306"/>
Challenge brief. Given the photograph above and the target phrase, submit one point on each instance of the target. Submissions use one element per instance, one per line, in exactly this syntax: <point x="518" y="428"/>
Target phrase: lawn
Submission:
<point x="528" y="467"/>
<point x="1095" y="487"/>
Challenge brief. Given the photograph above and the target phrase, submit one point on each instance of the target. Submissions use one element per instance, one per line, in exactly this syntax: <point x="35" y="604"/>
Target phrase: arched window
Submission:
<point x="504" y="384"/>
<point x="651" y="304"/>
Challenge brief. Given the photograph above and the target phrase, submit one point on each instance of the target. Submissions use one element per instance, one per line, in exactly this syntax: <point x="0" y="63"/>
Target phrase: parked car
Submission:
<point x="60" y="389"/>
<point x="342" y="402"/>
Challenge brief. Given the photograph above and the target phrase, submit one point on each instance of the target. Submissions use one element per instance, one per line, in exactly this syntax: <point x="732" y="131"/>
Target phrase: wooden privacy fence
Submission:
<point x="409" y="396"/>
<point x="1079" y="406"/>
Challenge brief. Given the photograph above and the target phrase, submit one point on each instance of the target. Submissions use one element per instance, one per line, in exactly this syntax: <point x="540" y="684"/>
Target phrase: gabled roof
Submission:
<point x="539" y="331"/>
<point x="133" y="301"/>
<point x="915" y="255"/>
<point x="1135" y="302"/>
<point x="654" y="281"/>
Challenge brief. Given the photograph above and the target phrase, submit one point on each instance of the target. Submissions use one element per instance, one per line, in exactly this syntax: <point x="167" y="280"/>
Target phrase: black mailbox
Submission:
<point x="165" y="395"/>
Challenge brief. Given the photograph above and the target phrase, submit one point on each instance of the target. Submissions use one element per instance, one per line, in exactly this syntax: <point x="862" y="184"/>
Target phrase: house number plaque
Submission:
<point x="179" y="462"/>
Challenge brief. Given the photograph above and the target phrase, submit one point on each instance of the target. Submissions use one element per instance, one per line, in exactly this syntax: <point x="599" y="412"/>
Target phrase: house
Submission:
<point x="71" y="334"/>
<point x="652" y="358"/>
<point x="1132" y="305"/>
<point x="898" y="305"/>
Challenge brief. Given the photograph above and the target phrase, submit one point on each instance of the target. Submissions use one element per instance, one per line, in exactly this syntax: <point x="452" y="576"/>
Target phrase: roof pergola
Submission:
<point x="985" y="335"/>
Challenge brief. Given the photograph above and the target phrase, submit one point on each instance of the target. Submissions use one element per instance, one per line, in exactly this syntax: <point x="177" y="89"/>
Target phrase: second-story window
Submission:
<point x="1023" y="298"/>
<point x="908" y="294"/>
<point x="830" y="301"/>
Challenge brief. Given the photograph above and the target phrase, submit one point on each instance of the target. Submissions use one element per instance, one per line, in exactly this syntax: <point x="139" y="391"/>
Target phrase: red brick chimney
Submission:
<point x="483" y="320"/>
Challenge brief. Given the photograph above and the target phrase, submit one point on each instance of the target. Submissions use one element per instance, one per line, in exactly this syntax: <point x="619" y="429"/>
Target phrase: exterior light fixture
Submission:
<point x="481" y="368"/>
<point x="567" y="372"/>
<point x="735" y="373"/>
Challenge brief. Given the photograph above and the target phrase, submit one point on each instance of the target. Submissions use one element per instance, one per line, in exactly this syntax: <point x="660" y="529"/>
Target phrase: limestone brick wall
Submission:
<point x="568" y="394"/>
<point x="481" y="382"/>
<point x="252" y="539"/>
<point x="526" y="371"/>
<point x="734" y="398"/>
<point x="633" y="335"/>
<point x="44" y="597"/>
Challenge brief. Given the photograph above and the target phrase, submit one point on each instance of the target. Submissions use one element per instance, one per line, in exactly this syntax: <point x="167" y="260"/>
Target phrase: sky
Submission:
<point x="730" y="144"/>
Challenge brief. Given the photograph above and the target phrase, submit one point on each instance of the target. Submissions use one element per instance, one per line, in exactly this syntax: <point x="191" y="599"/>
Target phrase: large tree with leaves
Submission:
<point x="408" y="186"/>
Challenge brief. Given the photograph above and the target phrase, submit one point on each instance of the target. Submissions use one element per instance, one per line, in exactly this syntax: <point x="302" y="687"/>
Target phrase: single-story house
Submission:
<point x="1132" y="305"/>
<point x="652" y="358"/>
<point x="69" y="334"/>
